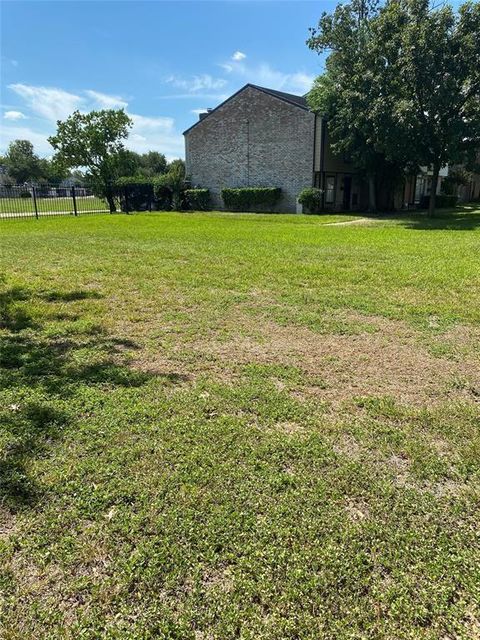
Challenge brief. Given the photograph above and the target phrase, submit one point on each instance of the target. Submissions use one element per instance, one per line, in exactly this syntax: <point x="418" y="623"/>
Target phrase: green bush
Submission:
<point x="25" y="194"/>
<point x="441" y="202"/>
<point x="174" y="181"/>
<point x="311" y="199"/>
<point x="246" y="198"/>
<point x="197" y="199"/>
<point x="135" y="193"/>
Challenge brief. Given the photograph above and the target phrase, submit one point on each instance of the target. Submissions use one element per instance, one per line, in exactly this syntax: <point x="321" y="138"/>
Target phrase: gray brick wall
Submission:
<point x="253" y="140"/>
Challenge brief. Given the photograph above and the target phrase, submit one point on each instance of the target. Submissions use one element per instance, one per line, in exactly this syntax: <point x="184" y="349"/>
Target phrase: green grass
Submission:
<point x="9" y="207"/>
<point x="240" y="426"/>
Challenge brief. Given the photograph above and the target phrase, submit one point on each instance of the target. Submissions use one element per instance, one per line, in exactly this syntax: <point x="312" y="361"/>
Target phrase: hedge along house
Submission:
<point x="264" y="138"/>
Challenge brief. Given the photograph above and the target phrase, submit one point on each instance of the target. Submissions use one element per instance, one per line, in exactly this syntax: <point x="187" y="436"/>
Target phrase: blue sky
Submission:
<point x="162" y="61"/>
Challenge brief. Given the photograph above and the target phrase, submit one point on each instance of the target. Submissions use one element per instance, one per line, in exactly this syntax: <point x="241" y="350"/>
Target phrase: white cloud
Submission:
<point x="155" y="134"/>
<point x="197" y="83"/>
<point x="198" y="111"/>
<point x="265" y="75"/>
<point x="16" y="132"/>
<point x="51" y="104"/>
<point x="48" y="102"/>
<point x="106" y="101"/>
<point x="239" y="55"/>
<point x="14" y="115"/>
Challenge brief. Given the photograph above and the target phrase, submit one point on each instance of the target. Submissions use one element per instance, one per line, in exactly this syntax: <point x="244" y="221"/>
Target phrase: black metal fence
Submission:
<point x="27" y="201"/>
<point x="47" y="200"/>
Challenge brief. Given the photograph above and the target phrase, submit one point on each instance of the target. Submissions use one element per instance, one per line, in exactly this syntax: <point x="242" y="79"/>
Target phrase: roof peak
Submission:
<point x="299" y="101"/>
<point x="290" y="98"/>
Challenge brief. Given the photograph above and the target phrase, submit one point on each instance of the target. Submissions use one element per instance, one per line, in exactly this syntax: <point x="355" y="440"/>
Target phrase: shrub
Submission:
<point x="25" y="194"/>
<point x="311" y="199"/>
<point x="174" y="181"/>
<point x="163" y="197"/>
<point x="245" y="198"/>
<point x="135" y="193"/>
<point x="197" y="199"/>
<point x="441" y="202"/>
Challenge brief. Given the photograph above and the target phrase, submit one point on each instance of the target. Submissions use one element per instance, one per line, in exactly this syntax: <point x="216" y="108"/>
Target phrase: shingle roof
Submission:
<point x="298" y="101"/>
<point x="291" y="98"/>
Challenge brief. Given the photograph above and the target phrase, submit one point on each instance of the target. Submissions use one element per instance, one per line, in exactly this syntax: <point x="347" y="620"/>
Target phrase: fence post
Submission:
<point x="75" y="212"/>
<point x="35" y="202"/>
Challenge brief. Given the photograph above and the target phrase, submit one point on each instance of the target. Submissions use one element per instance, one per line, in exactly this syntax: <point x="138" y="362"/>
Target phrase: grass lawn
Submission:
<point x="220" y="426"/>
<point x="11" y="207"/>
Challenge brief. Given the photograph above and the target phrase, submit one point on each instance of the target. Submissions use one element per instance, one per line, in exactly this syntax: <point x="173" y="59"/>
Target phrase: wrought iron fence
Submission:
<point x="46" y="200"/>
<point x="26" y="201"/>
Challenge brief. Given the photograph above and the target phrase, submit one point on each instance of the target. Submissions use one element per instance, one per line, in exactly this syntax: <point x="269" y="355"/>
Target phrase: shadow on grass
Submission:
<point x="40" y="376"/>
<point x="465" y="218"/>
<point x="70" y="296"/>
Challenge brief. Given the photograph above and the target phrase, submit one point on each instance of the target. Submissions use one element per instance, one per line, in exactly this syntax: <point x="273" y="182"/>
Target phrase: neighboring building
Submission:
<point x="470" y="191"/>
<point x="416" y="187"/>
<point x="264" y="138"/>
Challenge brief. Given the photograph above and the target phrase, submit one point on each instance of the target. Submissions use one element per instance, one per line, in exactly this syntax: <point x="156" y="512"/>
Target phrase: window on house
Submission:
<point x="330" y="189"/>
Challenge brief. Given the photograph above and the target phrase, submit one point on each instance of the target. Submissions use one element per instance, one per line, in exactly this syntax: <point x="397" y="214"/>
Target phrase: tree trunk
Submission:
<point x="372" y="195"/>
<point x="433" y="189"/>
<point x="111" y="202"/>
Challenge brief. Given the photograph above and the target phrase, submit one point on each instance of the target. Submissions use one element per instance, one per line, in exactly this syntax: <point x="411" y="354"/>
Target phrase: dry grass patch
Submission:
<point x="391" y="361"/>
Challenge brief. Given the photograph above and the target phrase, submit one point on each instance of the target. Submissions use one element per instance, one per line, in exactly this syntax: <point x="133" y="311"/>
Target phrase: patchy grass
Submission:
<point x="240" y="426"/>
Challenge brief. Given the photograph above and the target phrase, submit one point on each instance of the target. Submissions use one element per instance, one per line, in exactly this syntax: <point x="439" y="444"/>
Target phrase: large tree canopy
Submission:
<point x="401" y="87"/>
<point x="95" y="141"/>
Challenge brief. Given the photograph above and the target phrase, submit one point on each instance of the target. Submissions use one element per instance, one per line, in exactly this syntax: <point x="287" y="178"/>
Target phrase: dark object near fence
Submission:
<point x="251" y="198"/>
<point x="135" y="194"/>
<point x="441" y="202"/>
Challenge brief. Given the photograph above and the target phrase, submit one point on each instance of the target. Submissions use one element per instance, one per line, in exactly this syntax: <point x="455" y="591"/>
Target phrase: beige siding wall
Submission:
<point x="332" y="162"/>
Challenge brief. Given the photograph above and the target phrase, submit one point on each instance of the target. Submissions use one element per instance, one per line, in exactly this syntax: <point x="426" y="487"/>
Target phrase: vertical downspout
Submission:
<point x="248" y="153"/>
<point x="314" y="146"/>
<point x="322" y="160"/>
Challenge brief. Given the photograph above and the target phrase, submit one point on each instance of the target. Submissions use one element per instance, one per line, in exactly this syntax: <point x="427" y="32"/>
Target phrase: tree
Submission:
<point x="438" y="66"/>
<point x="401" y="87"/>
<point x="174" y="180"/>
<point x="94" y="141"/>
<point x="22" y="163"/>
<point x="51" y="171"/>
<point x="346" y="93"/>
<point x="152" y="164"/>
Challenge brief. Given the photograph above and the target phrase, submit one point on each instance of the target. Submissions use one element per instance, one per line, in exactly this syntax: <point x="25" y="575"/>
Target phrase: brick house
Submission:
<point x="260" y="137"/>
<point x="264" y="138"/>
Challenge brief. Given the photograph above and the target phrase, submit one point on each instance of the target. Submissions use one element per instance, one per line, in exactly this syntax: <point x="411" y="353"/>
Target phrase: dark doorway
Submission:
<point x="347" y="192"/>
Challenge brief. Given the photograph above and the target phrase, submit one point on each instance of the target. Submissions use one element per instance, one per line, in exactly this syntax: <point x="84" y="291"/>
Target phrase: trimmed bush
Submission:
<point x="25" y="194"/>
<point x="246" y="198"/>
<point x="197" y="199"/>
<point x="441" y="202"/>
<point x="135" y="193"/>
<point x="311" y="199"/>
<point x="163" y="197"/>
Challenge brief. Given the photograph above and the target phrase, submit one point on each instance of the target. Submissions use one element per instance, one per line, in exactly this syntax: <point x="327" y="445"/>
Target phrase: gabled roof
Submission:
<point x="290" y="98"/>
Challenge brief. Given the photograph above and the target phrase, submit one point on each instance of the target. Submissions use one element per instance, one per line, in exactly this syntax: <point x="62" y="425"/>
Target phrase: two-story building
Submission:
<point x="260" y="137"/>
